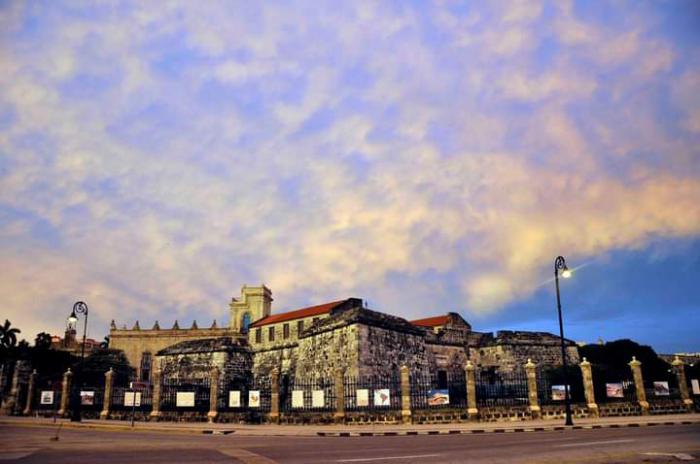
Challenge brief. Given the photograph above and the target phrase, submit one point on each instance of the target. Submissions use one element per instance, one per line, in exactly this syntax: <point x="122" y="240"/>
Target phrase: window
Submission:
<point x="316" y="319"/>
<point x="442" y="379"/>
<point x="245" y="322"/>
<point x="258" y="335"/>
<point x="300" y="327"/>
<point x="271" y="333"/>
<point x="285" y="331"/>
<point x="146" y="366"/>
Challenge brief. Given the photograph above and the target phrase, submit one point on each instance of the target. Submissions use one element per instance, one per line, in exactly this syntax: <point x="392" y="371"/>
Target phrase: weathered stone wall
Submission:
<point x="383" y="352"/>
<point x="324" y="353"/>
<point x="280" y="341"/>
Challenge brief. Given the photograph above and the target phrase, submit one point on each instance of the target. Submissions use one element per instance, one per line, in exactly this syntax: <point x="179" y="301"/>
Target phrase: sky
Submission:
<point x="424" y="156"/>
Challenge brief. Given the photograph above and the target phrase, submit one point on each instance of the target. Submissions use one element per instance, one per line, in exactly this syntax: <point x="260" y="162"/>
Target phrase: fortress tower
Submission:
<point x="254" y="304"/>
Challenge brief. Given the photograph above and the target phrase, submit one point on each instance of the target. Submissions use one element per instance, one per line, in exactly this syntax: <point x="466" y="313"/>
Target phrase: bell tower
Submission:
<point x="255" y="303"/>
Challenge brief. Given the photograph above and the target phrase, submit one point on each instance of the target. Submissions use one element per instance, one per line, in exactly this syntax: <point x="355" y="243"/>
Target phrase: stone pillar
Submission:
<point x="588" y="390"/>
<point x="636" y="368"/>
<point x="679" y="369"/>
<point x="65" y="393"/>
<point x="9" y="404"/>
<point x="531" y="372"/>
<point x="213" y="395"/>
<point x="155" y="400"/>
<point x="406" y="415"/>
<point x="107" y="403"/>
<point x="470" y="377"/>
<point x="275" y="396"/>
<point x="339" y="384"/>
<point x="30" y="393"/>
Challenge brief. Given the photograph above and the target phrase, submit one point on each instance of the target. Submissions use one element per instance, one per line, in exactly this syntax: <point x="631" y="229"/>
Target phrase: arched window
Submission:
<point x="245" y="322"/>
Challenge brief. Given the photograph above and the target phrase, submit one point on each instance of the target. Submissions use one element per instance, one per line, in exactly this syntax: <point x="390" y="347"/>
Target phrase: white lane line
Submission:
<point x="679" y="456"/>
<point x="589" y="443"/>
<point x="388" y="457"/>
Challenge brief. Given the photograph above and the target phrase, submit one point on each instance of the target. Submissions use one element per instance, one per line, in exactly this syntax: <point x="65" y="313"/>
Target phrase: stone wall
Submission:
<point x="509" y="350"/>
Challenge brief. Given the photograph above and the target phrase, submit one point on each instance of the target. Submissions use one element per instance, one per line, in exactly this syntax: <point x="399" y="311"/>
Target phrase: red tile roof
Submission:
<point x="298" y="314"/>
<point x="432" y="321"/>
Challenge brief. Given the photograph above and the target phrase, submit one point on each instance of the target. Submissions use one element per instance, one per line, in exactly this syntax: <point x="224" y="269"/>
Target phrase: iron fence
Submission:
<point x="612" y="385"/>
<point x="495" y="388"/>
<point x="314" y="394"/>
<point x="439" y="390"/>
<point x="372" y="393"/>
<point x="551" y="383"/>
<point x="185" y="395"/>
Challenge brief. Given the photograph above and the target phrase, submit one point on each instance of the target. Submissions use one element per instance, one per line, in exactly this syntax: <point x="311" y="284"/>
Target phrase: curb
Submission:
<point x="500" y="430"/>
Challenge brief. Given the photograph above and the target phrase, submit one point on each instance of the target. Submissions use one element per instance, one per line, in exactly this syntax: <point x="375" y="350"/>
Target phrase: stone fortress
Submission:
<point x="319" y="340"/>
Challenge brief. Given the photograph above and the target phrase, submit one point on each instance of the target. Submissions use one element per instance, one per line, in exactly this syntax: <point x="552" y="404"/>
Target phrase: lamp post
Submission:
<point x="560" y="265"/>
<point x="78" y="308"/>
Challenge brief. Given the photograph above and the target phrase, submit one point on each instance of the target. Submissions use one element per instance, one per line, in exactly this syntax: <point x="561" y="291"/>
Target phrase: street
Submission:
<point x="659" y="444"/>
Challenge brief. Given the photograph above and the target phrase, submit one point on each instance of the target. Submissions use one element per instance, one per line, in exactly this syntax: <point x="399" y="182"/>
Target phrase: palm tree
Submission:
<point x="42" y="341"/>
<point x="8" y="336"/>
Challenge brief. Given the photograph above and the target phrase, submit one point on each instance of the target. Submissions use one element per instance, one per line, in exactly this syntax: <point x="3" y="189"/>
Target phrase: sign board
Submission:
<point x="318" y="399"/>
<point x="614" y="390"/>
<point x="184" y="400"/>
<point x="696" y="386"/>
<point x="438" y="397"/>
<point x="297" y="398"/>
<point x="382" y="397"/>
<point x="132" y="399"/>
<point x="362" y="397"/>
<point x="234" y="399"/>
<point x="254" y="398"/>
<point x="138" y="385"/>
<point x="559" y="392"/>
<point x="47" y="397"/>
<point x="87" y="398"/>
<point x="661" y="389"/>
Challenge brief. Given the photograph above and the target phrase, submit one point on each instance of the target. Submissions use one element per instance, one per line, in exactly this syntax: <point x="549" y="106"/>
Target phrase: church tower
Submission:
<point x="255" y="303"/>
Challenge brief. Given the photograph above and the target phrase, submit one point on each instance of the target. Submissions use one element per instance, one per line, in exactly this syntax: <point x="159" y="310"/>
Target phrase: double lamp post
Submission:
<point x="75" y="399"/>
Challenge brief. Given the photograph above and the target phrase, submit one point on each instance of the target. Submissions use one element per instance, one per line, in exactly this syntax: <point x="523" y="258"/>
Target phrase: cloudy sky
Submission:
<point x="424" y="156"/>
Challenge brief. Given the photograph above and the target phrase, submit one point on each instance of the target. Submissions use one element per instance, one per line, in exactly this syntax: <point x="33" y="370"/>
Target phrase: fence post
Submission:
<point x="107" y="403"/>
<point x="587" y="375"/>
<point x="155" y="398"/>
<point x="9" y="404"/>
<point x="636" y="368"/>
<point x="406" y="415"/>
<point x="339" y="379"/>
<point x="679" y="368"/>
<point x="470" y="377"/>
<point x="65" y="392"/>
<point x="30" y="393"/>
<point x="275" y="396"/>
<point x="531" y="371"/>
<point x="213" y="395"/>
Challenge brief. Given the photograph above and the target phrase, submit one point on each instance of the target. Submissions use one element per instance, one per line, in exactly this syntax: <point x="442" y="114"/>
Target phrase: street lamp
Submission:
<point x="560" y="265"/>
<point x="78" y="308"/>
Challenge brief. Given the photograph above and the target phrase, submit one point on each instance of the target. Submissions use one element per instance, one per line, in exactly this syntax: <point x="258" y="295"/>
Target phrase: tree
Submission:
<point x="42" y="341"/>
<point x="105" y="343"/>
<point x="8" y="336"/>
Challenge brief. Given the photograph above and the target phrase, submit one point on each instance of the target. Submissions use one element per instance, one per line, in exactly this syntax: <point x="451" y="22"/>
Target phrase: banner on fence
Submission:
<point x="297" y="398"/>
<point x="614" y="390"/>
<point x="382" y="397"/>
<point x="362" y="397"/>
<point x="184" y="399"/>
<point x="87" y="398"/>
<point x="696" y="386"/>
<point x="234" y="399"/>
<point x="132" y="399"/>
<point x="559" y="392"/>
<point x="661" y="389"/>
<point x="47" y="397"/>
<point x="438" y="397"/>
<point x="254" y="398"/>
<point x="318" y="399"/>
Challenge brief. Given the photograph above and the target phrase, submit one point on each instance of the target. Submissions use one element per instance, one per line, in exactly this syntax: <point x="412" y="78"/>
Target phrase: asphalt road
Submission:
<point x="629" y="445"/>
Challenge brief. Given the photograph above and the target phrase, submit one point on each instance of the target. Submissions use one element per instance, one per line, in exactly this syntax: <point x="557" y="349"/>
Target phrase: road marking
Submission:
<point x="679" y="456"/>
<point x="16" y="453"/>
<point x="246" y="457"/>
<point x="589" y="443"/>
<point x="388" y="457"/>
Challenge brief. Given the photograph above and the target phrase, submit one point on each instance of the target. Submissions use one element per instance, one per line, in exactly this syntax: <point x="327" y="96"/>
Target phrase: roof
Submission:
<point x="432" y="321"/>
<point x="203" y="345"/>
<point x="354" y="313"/>
<point x="298" y="313"/>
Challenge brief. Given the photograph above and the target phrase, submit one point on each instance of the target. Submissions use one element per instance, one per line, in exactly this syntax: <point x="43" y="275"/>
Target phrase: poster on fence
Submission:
<point x="696" y="386"/>
<point x="362" y="397"/>
<point x="559" y="392"/>
<point x="661" y="389"/>
<point x="614" y="390"/>
<point x="132" y="399"/>
<point x="382" y="397"/>
<point x="438" y="397"/>
<point x="234" y="399"/>
<point x="47" y="397"/>
<point x="87" y="398"/>
<point x="318" y="399"/>
<point x="254" y="399"/>
<point x="184" y="400"/>
<point x="297" y="398"/>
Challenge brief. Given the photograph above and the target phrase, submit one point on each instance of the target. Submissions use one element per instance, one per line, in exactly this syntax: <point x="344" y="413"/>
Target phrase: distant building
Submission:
<point x="70" y="343"/>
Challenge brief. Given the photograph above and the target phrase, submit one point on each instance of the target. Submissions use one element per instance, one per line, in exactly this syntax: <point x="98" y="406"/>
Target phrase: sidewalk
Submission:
<point x="358" y="430"/>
